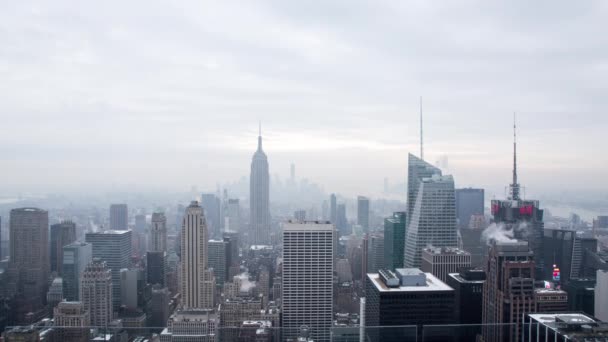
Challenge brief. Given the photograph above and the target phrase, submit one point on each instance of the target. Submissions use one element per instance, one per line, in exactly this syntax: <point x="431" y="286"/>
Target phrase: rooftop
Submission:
<point x="432" y="284"/>
<point x="445" y="250"/>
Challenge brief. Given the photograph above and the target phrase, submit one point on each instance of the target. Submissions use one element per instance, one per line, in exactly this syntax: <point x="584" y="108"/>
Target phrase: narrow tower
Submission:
<point x="514" y="188"/>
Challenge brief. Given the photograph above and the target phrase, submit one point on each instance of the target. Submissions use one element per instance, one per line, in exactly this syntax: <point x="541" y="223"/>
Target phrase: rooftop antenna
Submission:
<point x="260" y="135"/>
<point x="514" y="186"/>
<point x="421" y="133"/>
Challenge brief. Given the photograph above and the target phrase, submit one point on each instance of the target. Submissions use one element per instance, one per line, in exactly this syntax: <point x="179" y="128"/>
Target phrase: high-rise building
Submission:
<point x="62" y="234"/>
<point x="581" y="295"/>
<point x="158" y="233"/>
<point x="156" y="267"/>
<point x="468" y="289"/>
<point x="29" y="261"/>
<point x="565" y="249"/>
<point x="212" y="207"/>
<point x="217" y="253"/>
<point x="601" y="295"/>
<point x="259" y="197"/>
<point x="442" y="261"/>
<point x="197" y="283"/>
<point x="363" y="212"/>
<point x="299" y="215"/>
<point x="333" y="209"/>
<point x="131" y="288"/>
<point x="308" y="264"/>
<point x="73" y="321"/>
<point x="96" y="293"/>
<point x="469" y="202"/>
<point x="341" y="221"/>
<point x="406" y="296"/>
<point x="432" y="212"/>
<point x="191" y="325"/>
<point x="113" y="247"/>
<point x="119" y="217"/>
<point x="508" y="292"/>
<point x="158" y="307"/>
<point x="140" y="223"/>
<point x="76" y="257"/>
<point x="375" y="253"/>
<point x="234" y="216"/>
<point x="394" y="240"/>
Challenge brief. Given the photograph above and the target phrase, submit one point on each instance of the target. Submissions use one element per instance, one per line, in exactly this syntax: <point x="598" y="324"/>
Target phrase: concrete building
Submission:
<point x="551" y="300"/>
<point x="442" y="261"/>
<point x="119" y="217"/>
<point x="308" y="265"/>
<point x="29" y="266"/>
<point x="73" y="321"/>
<point x="96" y="293"/>
<point x="432" y="212"/>
<point x="197" y="283"/>
<point x="113" y="247"/>
<point x="601" y="295"/>
<point x="406" y="297"/>
<point x="469" y="202"/>
<point x="468" y="290"/>
<point x="394" y="240"/>
<point x="191" y="325"/>
<point x="259" y="188"/>
<point x="158" y="233"/>
<point x="217" y="256"/>
<point x="62" y="234"/>
<point x="508" y="293"/>
<point x="363" y="212"/>
<point x="76" y="257"/>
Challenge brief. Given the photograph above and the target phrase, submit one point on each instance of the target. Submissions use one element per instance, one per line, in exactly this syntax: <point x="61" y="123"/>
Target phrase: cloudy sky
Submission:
<point x="169" y="94"/>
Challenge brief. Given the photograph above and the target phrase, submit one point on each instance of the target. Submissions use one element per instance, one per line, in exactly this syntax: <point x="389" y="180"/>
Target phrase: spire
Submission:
<point x="514" y="188"/>
<point x="421" y="133"/>
<point x="260" y="136"/>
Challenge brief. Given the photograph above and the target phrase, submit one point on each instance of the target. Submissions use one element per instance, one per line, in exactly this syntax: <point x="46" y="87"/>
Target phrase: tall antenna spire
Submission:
<point x="260" y="135"/>
<point x="514" y="186"/>
<point x="421" y="133"/>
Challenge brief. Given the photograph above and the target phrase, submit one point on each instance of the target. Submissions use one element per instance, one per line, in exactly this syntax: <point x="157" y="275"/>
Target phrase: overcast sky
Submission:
<point x="169" y="94"/>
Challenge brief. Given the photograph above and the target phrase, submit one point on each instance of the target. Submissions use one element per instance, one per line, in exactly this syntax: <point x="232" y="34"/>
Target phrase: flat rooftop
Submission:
<point x="433" y="284"/>
<point x="445" y="251"/>
<point x="193" y="315"/>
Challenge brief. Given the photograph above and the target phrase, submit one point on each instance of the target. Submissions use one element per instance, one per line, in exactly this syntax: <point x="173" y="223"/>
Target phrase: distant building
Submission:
<point x="394" y="240"/>
<point x="442" y="261"/>
<point x="22" y="334"/>
<point x="217" y="256"/>
<point x="96" y="293"/>
<point x="581" y="295"/>
<point x="306" y="302"/>
<point x="563" y="327"/>
<point x="76" y="257"/>
<point x="234" y="311"/>
<point x="375" y="253"/>
<point x="119" y="217"/>
<point x="602" y="221"/>
<point x="73" y="321"/>
<point x="508" y="291"/>
<point x="341" y="221"/>
<point x="234" y="216"/>
<point x="333" y="210"/>
<point x="156" y="268"/>
<point x="551" y="300"/>
<point x="299" y="215"/>
<point x="468" y="290"/>
<point x="113" y="247"/>
<point x="55" y="293"/>
<point x="601" y="295"/>
<point x="62" y="234"/>
<point x="363" y="212"/>
<point x="132" y="284"/>
<point x="565" y="249"/>
<point x="469" y="202"/>
<point x="191" y="325"/>
<point x="212" y="206"/>
<point x="256" y="331"/>
<point x="158" y="233"/>
<point x="140" y="223"/>
<point x="259" y="188"/>
<point x="406" y="297"/>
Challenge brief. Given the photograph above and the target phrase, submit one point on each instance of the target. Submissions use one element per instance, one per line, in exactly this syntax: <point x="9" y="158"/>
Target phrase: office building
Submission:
<point x="394" y="240"/>
<point x="119" y="217"/>
<point x="96" y="293"/>
<point x="197" y="283"/>
<point x="469" y="202"/>
<point x="565" y="249"/>
<point x="308" y="265"/>
<point x="73" y="322"/>
<point x="62" y="234"/>
<point x="140" y="223"/>
<point x="234" y="216"/>
<point x="508" y="292"/>
<point x="234" y="311"/>
<point x="363" y="212"/>
<point x="132" y="284"/>
<point x="341" y="221"/>
<point x="375" y="253"/>
<point x="551" y="300"/>
<point x="158" y="233"/>
<point x="156" y="267"/>
<point x="113" y="247"/>
<point x="55" y="293"/>
<point x="472" y="242"/>
<point x="256" y="331"/>
<point x="259" y="197"/>
<point x="299" y="215"/>
<point x="191" y="325"/>
<point x="29" y="266"/>
<point x="76" y="257"/>
<point x="442" y="261"/>
<point x="217" y="256"/>
<point x="581" y="295"/>
<point x="564" y="327"/>
<point x="333" y="209"/>
<point x="158" y="308"/>
<point x="468" y="292"/>
<point x="601" y="295"/>
<point x="432" y="220"/>
<point x="212" y="207"/>
<point x="406" y="297"/>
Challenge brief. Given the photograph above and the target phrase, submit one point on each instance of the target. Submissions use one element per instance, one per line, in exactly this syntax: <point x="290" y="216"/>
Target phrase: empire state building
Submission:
<point x="258" y="197"/>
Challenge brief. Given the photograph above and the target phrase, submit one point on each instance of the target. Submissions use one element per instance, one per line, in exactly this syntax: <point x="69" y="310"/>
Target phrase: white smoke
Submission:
<point x="500" y="232"/>
<point x="245" y="284"/>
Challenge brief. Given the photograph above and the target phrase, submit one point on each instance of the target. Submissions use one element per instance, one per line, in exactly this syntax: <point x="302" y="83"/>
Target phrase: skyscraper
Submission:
<point x="394" y="240"/>
<point x="217" y="253"/>
<point x="363" y="212"/>
<point x="469" y="202"/>
<point x="76" y="257"/>
<point x="119" y="217"/>
<point x="29" y="260"/>
<point x="158" y="233"/>
<point x="333" y="213"/>
<point x="197" y="283"/>
<point x="375" y="253"/>
<point x="508" y="292"/>
<point x="212" y="207"/>
<point x="433" y="211"/>
<point x="259" y="197"/>
<point x="113" y="247"/>
<point x="156" y="265"/>
<point x="69" y="317"/>
<point x="62" y="234"/>
<point x="234" y="215"/>
<point x="140" y="223"/>
<point x="341" y="221"/>
<point x="308" y="260"/>
<point x="96" y="293"/>
<point x="442" y="261"/>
